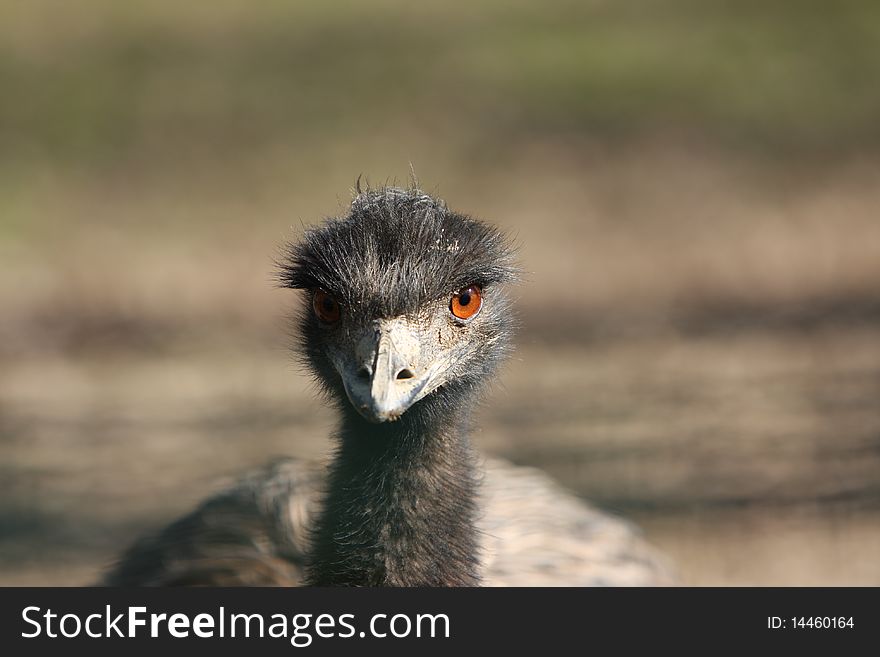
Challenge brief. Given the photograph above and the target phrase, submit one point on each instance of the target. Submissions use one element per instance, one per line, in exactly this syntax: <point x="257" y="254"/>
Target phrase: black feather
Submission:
<point x="395" y="251"/>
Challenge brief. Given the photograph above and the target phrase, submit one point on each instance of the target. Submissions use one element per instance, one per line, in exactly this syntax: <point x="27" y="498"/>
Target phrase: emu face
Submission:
<point x="403" y="299"/>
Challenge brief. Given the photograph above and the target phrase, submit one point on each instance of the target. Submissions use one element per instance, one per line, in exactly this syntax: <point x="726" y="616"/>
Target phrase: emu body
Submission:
<point x="404" y="323"/>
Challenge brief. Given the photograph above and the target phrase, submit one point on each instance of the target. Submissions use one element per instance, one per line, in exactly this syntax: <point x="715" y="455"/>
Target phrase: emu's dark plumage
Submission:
<point x="255" y="533"/>
<point x="396" y="251"/>
<point x="399" y="505"/>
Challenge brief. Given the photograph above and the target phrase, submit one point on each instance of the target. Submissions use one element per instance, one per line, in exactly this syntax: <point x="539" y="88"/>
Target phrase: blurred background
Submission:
<point x="695" y="186"/>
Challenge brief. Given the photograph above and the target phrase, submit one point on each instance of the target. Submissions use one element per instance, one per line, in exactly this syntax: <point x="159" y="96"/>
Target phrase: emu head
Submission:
<point x="404" y="304"/>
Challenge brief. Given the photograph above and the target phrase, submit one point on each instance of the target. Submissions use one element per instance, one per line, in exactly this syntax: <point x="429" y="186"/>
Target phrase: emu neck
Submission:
<point x="399" y="509"/>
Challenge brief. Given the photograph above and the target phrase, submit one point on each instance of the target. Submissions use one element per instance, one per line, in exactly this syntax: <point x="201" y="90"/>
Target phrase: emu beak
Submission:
<point x="386" y="378"/>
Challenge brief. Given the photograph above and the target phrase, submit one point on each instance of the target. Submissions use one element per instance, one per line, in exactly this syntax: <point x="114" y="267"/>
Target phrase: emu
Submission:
<point x="404" y="323"/>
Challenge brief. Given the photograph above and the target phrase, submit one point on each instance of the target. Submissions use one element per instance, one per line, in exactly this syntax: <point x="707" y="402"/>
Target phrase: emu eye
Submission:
<point x="467" y="302"/>
<point x="326" y="307"/>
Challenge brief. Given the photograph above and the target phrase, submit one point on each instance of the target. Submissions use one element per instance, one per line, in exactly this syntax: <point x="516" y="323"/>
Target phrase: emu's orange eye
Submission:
<point x="466" y="303"/>
<point x="326" y="307"/>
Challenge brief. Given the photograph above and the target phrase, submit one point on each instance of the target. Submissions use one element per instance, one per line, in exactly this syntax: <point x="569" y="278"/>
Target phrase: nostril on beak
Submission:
<point x="405" y="373"/>
<point x="364" y="373"/>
